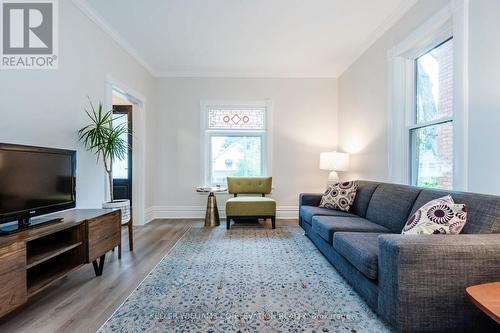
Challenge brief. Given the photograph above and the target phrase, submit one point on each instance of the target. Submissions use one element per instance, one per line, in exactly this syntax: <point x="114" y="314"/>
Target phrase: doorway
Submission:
<point x="122" y="168"/>
<point x="117" y="93"/>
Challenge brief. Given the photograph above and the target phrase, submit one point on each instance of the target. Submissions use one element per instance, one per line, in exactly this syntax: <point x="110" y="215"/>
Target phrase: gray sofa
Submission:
<point x="416" y="283"/>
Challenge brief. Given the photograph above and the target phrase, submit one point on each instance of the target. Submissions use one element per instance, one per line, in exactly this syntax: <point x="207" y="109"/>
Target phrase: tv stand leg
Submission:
<point x="98" y="267"/>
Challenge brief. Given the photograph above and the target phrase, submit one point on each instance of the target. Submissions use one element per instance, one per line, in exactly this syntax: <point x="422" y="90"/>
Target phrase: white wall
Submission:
<point x="363" y="92"/>
<point x="484" y="96"/>
<point x="363" y="97"/>
<point x="304" y="124"/>
<point x="45" y="108"/>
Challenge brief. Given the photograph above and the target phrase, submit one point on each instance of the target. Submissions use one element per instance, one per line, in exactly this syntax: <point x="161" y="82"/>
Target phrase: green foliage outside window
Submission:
<point x="250" y="148"/>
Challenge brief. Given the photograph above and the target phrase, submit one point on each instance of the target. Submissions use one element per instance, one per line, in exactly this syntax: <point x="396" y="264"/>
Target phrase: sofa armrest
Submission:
<point x="309" y="199"/>
<point x="422" y="280"/>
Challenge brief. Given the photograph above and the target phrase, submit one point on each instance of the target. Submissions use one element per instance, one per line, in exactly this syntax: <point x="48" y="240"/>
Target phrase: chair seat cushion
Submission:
<point x="326" y="226"/>
<point x="307" y="213"/>
<point x="360" y="249"/>
<point x="250" y="206"/>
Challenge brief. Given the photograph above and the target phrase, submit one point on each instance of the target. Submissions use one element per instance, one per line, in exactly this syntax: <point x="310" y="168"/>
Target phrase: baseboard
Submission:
<point x="198" y="212"/>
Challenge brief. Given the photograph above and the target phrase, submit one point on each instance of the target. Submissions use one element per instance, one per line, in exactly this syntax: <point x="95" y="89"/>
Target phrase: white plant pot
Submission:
<point x="123" y="205"/>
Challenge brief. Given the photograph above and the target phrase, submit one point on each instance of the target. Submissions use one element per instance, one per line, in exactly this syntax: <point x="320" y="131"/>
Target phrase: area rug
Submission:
<point x="244" y="280"/>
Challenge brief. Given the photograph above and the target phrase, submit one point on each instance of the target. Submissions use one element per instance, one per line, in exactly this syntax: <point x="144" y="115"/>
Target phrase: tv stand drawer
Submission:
<point x="104" y="234"/>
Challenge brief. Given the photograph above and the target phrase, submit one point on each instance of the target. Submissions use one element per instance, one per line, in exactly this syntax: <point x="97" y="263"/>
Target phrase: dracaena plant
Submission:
<point x="104" y="139"/>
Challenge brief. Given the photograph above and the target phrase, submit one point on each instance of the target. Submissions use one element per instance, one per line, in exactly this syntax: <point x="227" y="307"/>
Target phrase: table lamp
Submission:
<point x="334" y="161"/>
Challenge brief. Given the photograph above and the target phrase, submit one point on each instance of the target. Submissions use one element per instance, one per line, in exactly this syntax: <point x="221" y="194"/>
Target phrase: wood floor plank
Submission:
<point x="82" y="302"/>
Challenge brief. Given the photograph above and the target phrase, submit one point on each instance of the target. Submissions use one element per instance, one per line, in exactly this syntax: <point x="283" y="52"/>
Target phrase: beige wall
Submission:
<point x="363" y="97"/>
<point x="304" y="120"/>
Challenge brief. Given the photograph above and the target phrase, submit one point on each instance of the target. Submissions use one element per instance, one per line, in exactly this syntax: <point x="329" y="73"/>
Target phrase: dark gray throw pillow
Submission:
<point x="339" y="196"/>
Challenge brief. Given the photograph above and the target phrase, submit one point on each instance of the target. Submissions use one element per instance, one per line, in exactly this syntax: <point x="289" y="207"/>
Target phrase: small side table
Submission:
<point x="212" y="214"/>
<point x="487" y="298"/>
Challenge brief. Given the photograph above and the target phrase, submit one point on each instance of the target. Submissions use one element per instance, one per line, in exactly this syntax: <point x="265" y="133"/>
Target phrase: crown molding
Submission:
<point x="97" y="18"/>
<point x="94" y="16"/>
<point x="380" y="31"/>
<point x="254" y="75"/>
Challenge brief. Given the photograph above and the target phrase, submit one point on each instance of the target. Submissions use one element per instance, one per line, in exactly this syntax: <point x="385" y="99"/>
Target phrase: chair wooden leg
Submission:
<point x="228" y="223"/>
<point x="131" y="235"/>
<point x="273" y="221"/>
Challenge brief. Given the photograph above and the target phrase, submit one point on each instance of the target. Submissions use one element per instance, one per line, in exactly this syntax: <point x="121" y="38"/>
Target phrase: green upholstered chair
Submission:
<point x="250" y="206"/>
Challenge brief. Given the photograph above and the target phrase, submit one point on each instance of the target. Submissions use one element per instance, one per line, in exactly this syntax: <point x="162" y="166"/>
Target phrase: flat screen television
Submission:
<point x="34" y="181"/>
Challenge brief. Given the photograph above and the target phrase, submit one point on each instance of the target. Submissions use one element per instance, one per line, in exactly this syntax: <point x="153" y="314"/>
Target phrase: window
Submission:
<point x="428" y="103"/>
<point x="235" y="141"/>
<point x="431" y="129"/>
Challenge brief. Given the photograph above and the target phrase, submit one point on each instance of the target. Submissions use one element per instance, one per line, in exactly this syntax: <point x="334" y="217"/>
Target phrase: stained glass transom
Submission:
<point x="250" y="119"/>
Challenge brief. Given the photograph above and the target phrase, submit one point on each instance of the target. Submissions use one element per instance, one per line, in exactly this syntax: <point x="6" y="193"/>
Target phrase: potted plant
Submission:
<point x="104" y="139"/>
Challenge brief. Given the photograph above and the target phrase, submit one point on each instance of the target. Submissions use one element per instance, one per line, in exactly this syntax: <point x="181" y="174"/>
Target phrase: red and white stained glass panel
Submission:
<point x="249" y="119"/>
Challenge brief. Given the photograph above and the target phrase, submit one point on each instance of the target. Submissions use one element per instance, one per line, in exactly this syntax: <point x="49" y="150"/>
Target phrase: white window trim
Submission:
<point x="451" y="21"/>
<point x="205" y="134"/>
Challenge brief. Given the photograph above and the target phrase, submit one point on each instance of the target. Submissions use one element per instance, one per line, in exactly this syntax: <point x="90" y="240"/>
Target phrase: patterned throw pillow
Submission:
<point x="439" y="216"/>
<point x="339" y="196"/>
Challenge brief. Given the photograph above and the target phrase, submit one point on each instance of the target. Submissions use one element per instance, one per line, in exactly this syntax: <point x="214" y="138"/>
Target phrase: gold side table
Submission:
<point x="212" y="214"/>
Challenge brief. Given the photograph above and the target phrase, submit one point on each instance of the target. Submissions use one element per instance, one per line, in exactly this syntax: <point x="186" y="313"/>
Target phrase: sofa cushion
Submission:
<point x="363" y="196"/>
<point x="367" y="288"/>
<point x="250" y="206"/>
<point x="307" y="213"/>
<point x="483" y="211"/>
<point x="390" y="205"/>
<point x="360" y="249"/>
<point x="339" y="196"/>
<point x="326" y="226"/>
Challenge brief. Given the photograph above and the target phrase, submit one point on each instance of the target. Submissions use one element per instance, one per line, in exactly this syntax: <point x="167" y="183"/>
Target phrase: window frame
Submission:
<point x="412" y="123"/>
<point x="207" y="134"/>
<point x="451" y="20"/>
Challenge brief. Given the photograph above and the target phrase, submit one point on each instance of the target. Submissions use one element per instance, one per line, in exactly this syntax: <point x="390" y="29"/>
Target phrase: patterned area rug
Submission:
<point x="244" y="280"/>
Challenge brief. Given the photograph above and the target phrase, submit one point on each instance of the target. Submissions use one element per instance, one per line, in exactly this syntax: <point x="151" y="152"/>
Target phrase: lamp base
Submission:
<point x="333" y="177"/>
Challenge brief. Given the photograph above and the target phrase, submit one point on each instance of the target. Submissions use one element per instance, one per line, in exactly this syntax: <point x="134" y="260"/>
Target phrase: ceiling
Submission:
<point x="245" y="38"/>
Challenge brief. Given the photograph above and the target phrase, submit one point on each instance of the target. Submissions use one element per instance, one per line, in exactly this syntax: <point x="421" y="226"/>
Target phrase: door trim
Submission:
<point x="138" y="144"/>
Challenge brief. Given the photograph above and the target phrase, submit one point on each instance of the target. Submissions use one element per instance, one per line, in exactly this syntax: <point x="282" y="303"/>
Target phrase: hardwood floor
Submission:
<point x="82" y="302"/>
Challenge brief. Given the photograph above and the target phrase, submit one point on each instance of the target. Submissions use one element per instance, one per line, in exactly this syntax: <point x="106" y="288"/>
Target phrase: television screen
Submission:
<point x="35" y="180"/>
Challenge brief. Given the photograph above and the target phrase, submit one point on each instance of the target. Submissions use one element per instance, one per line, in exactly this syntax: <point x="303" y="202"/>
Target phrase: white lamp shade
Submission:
<point x="334" y="161"/>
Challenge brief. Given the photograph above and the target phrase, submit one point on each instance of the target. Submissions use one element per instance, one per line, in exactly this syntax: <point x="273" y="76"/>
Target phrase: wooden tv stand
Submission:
<point x="33" y="259"/>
